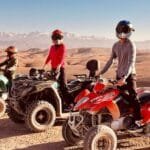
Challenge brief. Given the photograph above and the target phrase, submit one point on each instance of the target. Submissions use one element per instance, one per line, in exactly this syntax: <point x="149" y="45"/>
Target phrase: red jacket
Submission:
<point x="56" y="56"/>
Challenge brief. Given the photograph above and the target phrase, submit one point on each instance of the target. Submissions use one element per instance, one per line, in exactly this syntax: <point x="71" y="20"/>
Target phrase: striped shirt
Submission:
<point x="126" y="55"/>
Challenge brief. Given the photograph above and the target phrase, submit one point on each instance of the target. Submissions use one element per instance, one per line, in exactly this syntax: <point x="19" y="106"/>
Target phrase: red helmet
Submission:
<point x="57" y="34"/>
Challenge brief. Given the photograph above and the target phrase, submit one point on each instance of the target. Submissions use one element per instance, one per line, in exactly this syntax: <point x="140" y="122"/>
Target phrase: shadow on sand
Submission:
<point x="46" y="146"/>
<point x="10" y="129"/>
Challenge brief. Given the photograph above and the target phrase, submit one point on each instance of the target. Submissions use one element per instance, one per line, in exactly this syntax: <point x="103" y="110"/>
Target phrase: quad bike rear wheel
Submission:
<point x="40" y="115"/>
<point x="70" y="138"/>
<point x="100" y="137"/>
<point x="14" y="116"/>
<point x="2" y="107"/>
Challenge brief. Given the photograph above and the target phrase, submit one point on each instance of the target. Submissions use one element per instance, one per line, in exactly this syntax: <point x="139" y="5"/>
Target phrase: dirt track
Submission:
<point x="16" y="136"/>
<point x="13" y="136"/>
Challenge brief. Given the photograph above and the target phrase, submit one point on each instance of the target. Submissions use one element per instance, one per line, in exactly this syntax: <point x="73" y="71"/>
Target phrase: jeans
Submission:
<point x="130" y="87"/>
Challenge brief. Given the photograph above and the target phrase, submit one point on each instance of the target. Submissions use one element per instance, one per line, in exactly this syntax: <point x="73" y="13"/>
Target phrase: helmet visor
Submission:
<point x="57" y="37"/>
<point x="123" y="29"/>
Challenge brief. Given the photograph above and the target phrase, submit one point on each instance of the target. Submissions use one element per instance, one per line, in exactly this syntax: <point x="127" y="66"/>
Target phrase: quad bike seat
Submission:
<point x="92" y="66"/>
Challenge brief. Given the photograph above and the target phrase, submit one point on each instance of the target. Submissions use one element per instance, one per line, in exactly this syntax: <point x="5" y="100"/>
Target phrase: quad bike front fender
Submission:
<point x="110" y="105"/>
<point x="43" y="85"/>
<point x="143" y="95"/>
<point x="58" y="102"/>
<point x="144" y="99"/>
<point x="54" y="98"/>
<point x="145" y="112"/>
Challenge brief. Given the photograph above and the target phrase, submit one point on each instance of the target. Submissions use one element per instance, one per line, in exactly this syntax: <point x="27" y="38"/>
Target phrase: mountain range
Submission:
<point x="42" y="40"/>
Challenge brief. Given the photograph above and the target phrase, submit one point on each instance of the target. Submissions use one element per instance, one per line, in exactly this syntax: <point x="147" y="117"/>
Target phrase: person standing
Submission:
<point x="56" y="57"/>
<point x="125" y="51"/>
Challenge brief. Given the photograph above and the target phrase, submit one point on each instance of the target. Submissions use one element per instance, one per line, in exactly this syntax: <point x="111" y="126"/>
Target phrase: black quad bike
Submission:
<point x="37" y="99"/>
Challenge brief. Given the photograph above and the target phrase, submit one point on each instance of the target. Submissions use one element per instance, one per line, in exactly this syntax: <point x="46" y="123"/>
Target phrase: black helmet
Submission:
<point x="124" y="29"/>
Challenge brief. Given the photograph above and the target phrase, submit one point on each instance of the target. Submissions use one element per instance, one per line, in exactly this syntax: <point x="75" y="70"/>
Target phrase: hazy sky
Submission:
<point x="85" y="17"/>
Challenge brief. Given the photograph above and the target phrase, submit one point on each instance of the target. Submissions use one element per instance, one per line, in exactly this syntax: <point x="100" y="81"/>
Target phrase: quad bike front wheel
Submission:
<point x="2" y="107"/>
<point x="39" y="116"/>
<point x="68" y="135"/>
<point x="100" y="137"/>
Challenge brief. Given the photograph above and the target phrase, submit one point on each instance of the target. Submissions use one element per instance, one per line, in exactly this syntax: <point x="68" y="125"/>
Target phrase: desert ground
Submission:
<point x="16" y="136"/>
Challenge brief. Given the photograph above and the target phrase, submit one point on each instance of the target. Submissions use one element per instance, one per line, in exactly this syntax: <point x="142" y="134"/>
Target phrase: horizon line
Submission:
<point x="77" y="34"/>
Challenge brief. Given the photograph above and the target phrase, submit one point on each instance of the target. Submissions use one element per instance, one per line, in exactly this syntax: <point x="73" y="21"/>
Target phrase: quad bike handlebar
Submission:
<point x="84" y="76"/>
<point x="113" y="82"/>
<point x="39" y="74"/>
<point x="80" y="75"/>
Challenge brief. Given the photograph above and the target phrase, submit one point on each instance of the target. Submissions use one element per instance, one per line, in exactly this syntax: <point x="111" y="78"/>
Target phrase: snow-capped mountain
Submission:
<point x="24" y="40"/>
<point x="42" y="40"/>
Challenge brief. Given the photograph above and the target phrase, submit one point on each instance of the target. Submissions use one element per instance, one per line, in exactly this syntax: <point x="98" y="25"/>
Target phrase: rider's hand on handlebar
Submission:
<point x="99" y="74"/>
<point x="97" y="77"/>
<point x="121" y="82"/>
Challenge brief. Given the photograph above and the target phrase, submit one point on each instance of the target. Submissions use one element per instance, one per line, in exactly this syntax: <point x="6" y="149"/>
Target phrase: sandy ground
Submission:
<point x="18" y="137"/>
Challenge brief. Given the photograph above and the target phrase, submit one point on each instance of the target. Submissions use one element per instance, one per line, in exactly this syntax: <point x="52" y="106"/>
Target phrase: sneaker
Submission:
<point x="136" y="127"/>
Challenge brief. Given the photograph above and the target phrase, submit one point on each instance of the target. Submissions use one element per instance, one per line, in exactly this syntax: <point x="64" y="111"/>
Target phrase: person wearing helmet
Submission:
<point x="10" y="64"/>
<point x="56" y="58"/>
<point x="125" y="51"/>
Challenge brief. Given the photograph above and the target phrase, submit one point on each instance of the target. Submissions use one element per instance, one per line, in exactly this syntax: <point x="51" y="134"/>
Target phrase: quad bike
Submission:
<point x="103" y="112"/>
<point x="37" y="100"/>
<point x="3" y="93"/>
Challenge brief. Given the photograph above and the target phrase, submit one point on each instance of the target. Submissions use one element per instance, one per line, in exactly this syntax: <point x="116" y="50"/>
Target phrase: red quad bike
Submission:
<point x="100" y="113"/>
